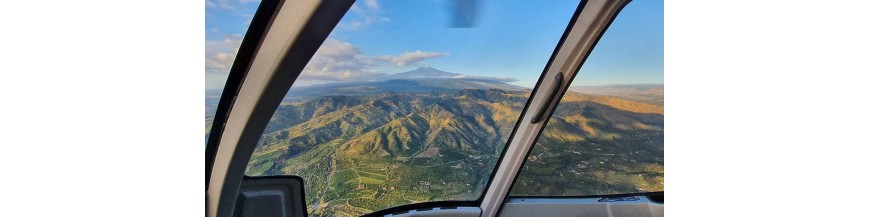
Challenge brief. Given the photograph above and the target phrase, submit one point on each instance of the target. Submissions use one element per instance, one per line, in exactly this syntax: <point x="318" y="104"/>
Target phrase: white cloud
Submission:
<point x="337" y="60"/>
<point x="226" y="4"/>
<point x="231" y="5"/>
<point x="369" y="13"/>
<point x="220" y="54"/>
<point x="409" y="58"/>
<point x="219" y="57"/>
<point x="372" y="5"/>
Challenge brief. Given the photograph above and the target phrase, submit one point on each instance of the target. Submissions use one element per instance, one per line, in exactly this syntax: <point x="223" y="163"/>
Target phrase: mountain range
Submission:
<point x="430" y="135"/>
<point x="421" y="80"/>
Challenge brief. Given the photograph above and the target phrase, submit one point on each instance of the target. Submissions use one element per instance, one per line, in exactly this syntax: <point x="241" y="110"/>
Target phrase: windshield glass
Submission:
<point x="409" y="102"/>
<point x="607" y="134"/>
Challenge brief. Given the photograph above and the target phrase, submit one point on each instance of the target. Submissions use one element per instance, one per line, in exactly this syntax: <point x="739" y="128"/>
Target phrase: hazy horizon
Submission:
<point x="511" y="83"/>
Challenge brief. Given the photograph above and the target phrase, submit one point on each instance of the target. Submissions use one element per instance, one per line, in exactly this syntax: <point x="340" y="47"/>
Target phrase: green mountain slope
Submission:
<point x="430" y="135"/>
<point x="369" y="152"/>
<point x="596" y="145"/>
<point x="382" y="148"/>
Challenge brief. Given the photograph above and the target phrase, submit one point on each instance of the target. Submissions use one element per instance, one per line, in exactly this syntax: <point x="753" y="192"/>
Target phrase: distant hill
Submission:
<point x="424" y="79"/>
<point x="648" y="93"/>
<point x="422" y="72"/>
<point x="596" y="145"/>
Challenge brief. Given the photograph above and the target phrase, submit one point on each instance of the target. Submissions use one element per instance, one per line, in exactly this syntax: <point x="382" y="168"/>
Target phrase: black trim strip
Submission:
<point x="557" y="84"/>
<point x="654" y="197"/>
<point x="644" y="194"/>
<point x="422" y="206"/>
<point x="547" y="121"/>
<point x="251" y="42"/>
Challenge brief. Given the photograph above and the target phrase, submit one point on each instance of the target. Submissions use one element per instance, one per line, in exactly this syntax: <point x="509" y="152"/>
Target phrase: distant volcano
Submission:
<point x="422" y="72"/>
<point x="429" y="73"/>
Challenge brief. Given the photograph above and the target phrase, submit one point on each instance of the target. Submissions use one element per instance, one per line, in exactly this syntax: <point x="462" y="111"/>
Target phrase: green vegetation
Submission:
<point x="360" y="153"/>
<point x="596" y="145"/>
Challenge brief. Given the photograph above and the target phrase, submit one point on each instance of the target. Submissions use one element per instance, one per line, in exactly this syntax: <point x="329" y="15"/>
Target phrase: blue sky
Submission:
<point x="510" y="40"/>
